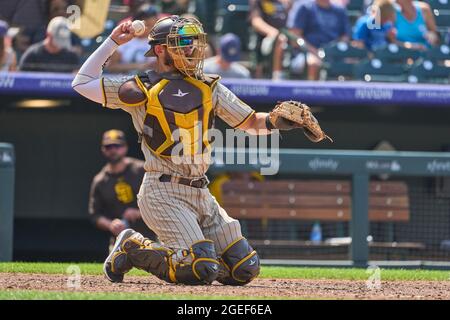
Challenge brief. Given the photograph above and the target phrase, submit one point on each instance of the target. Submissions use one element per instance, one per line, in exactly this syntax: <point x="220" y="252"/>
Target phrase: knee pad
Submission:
<point x="240" y="263"/>
<point x="203" y="267"/>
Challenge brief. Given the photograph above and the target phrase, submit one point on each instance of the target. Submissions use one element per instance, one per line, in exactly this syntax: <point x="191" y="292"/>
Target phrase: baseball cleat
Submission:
<point x="117" y="263"/>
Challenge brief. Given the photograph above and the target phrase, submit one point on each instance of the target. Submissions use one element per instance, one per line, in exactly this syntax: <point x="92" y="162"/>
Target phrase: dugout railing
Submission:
<point x="7" y="173"/>
<point x="370" y="201"/>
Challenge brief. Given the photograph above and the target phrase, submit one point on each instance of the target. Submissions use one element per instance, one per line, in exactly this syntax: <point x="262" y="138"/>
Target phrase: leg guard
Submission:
<point x="149" y="256"/>
<point x="203" y="268"/>
<point x="240" y="264"/>
<point x="198" y="265"/>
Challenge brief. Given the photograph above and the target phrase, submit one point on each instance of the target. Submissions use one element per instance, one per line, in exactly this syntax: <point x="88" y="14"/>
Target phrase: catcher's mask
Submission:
<point x="185" y="41"/>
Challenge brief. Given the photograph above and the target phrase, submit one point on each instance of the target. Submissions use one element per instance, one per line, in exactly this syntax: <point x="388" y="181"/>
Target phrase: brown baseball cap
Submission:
<point x="113" y="137"/>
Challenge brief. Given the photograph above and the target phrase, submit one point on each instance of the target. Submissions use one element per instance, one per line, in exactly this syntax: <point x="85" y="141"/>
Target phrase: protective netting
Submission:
<point x="308" y="218"/>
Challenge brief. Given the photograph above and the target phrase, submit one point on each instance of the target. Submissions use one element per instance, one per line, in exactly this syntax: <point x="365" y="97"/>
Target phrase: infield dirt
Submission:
<point x="275" y="288"/>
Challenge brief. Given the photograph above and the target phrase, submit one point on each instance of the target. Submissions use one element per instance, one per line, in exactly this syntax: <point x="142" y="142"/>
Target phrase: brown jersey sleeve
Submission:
<point x="96" y="204"/>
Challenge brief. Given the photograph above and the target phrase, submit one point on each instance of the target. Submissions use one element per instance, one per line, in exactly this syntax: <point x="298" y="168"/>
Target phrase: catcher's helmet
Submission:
<point x="159" y="33"/>
<point x="185" y="41"/>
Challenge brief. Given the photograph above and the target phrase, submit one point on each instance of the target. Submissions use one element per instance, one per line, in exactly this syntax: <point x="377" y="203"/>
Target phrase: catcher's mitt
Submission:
<point x="289" y="115"/>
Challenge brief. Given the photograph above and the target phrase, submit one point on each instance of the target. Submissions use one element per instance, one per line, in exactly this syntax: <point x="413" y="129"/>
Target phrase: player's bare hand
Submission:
<point x="132" y="214"/>
<point x="123" y="33"/>
<point x="116" y="227"/>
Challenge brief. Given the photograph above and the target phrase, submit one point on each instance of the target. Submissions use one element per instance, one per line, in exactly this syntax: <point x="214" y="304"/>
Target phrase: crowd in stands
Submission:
<point x="277" y="39"/>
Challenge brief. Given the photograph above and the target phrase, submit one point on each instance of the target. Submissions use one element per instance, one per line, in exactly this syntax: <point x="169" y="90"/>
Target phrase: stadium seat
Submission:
<point x="343" y="50"/>
<point x="442" y="18"/>
<point x="206" y="11"/>
<point x="441" y="11"/>
<point x="440" y="53"/>
<point x="439" y="4"/>
<point x="339" y="59"/>
<point x="390" y="64"/>
<point x="396" y="54"/>
<point x="375" y="70"/>
<point x="429" y="71"/>
<point x="233" y="17"/>
<point x="355" y="8"/>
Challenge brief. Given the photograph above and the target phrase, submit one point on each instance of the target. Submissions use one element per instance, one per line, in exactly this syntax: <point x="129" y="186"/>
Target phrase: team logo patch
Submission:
<point x="124" y="192"/>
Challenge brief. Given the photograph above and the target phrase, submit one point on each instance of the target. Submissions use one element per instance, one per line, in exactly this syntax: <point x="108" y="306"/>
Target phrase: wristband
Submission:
<point x="269" y="124"/>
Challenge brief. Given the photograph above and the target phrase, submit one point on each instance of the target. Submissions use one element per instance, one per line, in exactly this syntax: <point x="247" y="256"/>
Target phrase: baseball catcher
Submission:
<point x="175" y="105"/>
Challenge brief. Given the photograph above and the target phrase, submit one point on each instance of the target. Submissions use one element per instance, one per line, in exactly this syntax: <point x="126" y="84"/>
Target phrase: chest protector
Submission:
<point x="179" y="114"/>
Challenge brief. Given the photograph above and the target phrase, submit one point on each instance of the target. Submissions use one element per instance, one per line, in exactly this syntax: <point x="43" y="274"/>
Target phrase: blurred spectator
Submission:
<point x="29" y="15"/>
<point x="20" y="43"/>
<point x="268" y="17"/>
<point x="58" y="8"/>
<point x="129" y="57"/>
<point x="376" y="30"/>
<point x="33" y="16"/>
<point x="133" y="7"/>
<point x="316" y="23"/>
<point x="415" y="23"/>
<point x="54" y="53"/>
<point x="7" y="54"/>
<point x="112" y="201"/>
<point x="36" y="17"/>
<point x="226" y="63"/>
<point x="339" y="3"/>
<point x="177" y="7"/>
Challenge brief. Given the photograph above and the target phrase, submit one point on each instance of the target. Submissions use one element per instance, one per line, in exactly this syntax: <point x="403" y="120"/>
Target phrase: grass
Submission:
<point x="266" y="272"/>
<point x="55" y="295"/>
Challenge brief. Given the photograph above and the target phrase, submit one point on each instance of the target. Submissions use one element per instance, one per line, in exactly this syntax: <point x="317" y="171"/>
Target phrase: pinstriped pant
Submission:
<point x="181" y="215"/>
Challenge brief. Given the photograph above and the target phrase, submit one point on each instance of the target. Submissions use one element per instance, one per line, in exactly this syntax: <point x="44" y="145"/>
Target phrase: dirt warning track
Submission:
<point x="282" y="288"/>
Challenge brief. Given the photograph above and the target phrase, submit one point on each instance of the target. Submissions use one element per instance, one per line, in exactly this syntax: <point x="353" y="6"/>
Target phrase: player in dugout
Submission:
<point x="112" y="199"/>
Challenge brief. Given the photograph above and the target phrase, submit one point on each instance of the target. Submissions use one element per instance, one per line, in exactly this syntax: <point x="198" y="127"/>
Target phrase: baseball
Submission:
<point x="139" y="27"/>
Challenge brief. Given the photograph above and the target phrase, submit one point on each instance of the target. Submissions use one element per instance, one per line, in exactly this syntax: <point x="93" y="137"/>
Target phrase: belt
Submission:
<point x="196" y="183"/>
